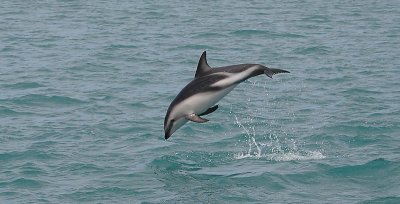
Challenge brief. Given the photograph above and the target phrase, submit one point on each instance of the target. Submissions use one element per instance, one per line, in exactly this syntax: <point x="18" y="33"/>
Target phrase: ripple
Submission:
<point x="362" y="128"/>
<point x="7" y="112"/>
<point x="24" y="85"/>
<point x="28" y="154"/>
<point x="172" y="164"/>
<point x="115" y="47"/>
<point x="317" y="19"/>
<point x="37" y="99"/>
<point x="266" y="33"/>
<point x="312" y="50"/>
<point x="352" y="91"/>
<point x="31" y="170"/>
<point x="139" y="105"/>
<point x="210" y="35"/>
<point x="81" y="167"/>
<point x="250" y="32"/>
<point x="194" y="47"/>
<point x="95" y="194"/>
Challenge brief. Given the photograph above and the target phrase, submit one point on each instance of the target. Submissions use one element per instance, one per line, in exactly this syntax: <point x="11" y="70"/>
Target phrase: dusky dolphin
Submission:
<point x="209" y="85"/>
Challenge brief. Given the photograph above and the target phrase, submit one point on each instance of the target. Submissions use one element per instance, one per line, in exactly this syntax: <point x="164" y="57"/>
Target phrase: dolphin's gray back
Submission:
<point x="234" y="68"/>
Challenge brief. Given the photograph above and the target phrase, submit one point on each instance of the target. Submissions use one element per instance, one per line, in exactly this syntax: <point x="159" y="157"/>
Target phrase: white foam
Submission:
<point x="290" y="156"/>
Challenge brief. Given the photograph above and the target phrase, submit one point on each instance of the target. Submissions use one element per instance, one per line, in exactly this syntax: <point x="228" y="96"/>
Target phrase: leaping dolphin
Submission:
<point x="209" y="85"/>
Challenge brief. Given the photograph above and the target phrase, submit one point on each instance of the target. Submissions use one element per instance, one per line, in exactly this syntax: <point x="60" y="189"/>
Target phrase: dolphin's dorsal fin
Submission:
<point x="203" y="66"/>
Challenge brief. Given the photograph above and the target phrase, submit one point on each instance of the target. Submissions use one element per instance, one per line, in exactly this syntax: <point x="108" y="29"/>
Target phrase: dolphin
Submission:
<point x="209" y="85"/>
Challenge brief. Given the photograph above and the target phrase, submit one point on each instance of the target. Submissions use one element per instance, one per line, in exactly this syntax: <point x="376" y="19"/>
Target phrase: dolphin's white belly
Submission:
<point x="199" y="103"/>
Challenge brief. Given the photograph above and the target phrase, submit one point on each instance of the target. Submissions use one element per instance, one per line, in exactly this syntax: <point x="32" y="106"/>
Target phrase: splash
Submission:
<point x="274" y="149"/>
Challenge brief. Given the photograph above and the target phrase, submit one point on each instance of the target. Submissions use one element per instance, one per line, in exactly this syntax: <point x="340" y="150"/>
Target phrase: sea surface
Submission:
<point x="85" y="85"/>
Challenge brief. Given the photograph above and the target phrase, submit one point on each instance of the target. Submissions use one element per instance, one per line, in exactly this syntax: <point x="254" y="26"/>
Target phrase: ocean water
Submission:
<point x="85" y="85"/>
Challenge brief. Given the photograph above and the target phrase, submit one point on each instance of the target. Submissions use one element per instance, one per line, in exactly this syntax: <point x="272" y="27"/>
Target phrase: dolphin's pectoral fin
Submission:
<point x="195" y="118"/>
<point x="270" y="72"/>
<point x="210" y="110"/>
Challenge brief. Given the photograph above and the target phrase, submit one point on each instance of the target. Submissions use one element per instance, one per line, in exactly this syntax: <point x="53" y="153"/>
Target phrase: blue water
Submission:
<point x="85" y="85"/>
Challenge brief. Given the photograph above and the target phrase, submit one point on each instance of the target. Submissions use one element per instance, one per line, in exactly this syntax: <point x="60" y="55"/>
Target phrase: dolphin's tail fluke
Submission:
<point x="271" y="71"/>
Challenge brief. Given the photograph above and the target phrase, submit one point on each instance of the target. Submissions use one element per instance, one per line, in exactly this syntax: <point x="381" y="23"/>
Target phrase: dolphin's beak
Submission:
<point x="167" y="135"/>
<point x="168" y="132"/>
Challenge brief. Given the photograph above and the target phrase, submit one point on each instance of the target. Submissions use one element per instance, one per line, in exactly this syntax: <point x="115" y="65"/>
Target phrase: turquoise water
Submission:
<point x="84" y="88"/>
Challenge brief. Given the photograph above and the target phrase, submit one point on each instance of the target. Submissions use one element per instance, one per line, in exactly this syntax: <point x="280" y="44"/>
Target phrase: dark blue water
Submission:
<point x="84" y="88"/>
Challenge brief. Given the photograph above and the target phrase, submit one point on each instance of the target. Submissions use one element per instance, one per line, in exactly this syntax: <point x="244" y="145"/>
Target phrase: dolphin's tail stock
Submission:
<point x="271" y="71"/>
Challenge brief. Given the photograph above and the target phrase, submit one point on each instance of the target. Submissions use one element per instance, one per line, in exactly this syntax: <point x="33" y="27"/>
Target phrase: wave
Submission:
<point x="370" y="168"/>
<point x="7" y="112"/>
<point x="27" y="155"/>
<point x="389" y="199"/>
<point x="23" y="183"/>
